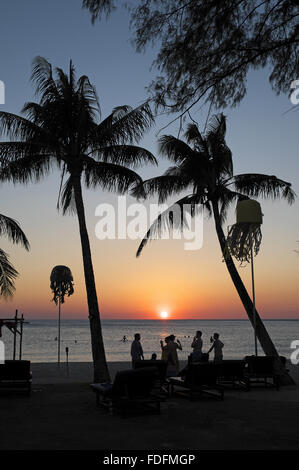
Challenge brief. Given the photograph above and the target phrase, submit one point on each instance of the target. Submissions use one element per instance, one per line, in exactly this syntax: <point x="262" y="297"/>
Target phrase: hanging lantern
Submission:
<point x="246" y="233"/>
<point x="61" y="283"/>
<point x="249" y="211"/>
<point x="244" y="240"/>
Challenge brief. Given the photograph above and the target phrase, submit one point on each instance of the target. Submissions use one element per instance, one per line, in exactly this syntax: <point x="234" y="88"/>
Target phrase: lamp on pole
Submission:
<point x="244" y="240"/>
<point x="61" y="285"/>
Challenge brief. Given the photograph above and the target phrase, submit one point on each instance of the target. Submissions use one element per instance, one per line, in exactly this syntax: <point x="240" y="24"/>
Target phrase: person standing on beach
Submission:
<point x="197" y="347"/>
<point x="164" y="347"/>
<point x="172" y="347"/>
<point x="217" y="346"/>
<point x="136" y="350"/>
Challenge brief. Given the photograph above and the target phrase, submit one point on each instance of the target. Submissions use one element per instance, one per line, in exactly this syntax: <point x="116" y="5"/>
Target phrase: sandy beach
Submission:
<point x="61" y="414"/>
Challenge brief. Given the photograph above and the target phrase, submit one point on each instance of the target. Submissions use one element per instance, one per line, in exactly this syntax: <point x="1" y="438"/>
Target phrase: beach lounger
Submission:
<point x="232" y="373"/>
<point x="15" y="376"/>
<point x="259" y="369"/>
<point x="130" y="393"/>
<point x="200" y="379"/>
<point x="204" y="358"/>
<point x="161" y="367"/>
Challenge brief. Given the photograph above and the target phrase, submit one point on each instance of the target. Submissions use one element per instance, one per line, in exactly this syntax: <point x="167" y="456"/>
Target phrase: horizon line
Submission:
<point x="166" y="319"/>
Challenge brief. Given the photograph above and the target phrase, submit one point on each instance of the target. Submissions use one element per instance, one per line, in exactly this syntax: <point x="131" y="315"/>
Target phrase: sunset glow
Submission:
<point x="164" y="314"/>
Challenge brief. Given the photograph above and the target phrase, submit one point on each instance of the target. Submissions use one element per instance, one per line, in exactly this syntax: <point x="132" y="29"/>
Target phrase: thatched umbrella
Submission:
<point x="244" y="240"/>
<point x="61" y="284"/>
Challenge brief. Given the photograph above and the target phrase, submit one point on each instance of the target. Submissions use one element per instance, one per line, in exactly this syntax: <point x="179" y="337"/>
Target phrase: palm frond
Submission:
<point x="129" y="155"/>
<point x="219" y="152"/>
<point x="88" y="91"/>
<point x="109" y="176"/>
<point x="8" y="274"/>
<point x="163" y="186"/>
<point x="267" y="186"/>
<point x="125" y="125"/>
<point x="174" y="149"/>
<point x="68" y="197"/>
<point x="39" y="115"/>
<point x="194" y="136"/>
<point x="10" y="151"/>
<point x="173" y="218"/>
<point x="27" y="169"/>
<point x="217" y="126"/>
<point x="11" y="229"/>
<point x="18" y="128"/>
<point x="42" y="77"/>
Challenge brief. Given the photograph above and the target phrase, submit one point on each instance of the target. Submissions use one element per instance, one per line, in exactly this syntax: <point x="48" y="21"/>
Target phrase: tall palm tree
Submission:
<point x="63" y="130"/>
<point x="204" y="164"/>
<point x="12" y="230"/>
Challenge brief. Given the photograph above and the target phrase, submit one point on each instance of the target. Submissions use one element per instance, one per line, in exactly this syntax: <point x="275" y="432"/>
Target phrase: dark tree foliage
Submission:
<point x="10" y="229"/>
<point x="97" y="7"/>
<point x="207" y="47"/>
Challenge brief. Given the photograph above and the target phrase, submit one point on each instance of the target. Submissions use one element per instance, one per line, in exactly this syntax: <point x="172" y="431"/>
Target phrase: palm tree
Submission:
<point x="12" y="230"/>
<point x="63" y="130"/>
<point x="204" y="164"/>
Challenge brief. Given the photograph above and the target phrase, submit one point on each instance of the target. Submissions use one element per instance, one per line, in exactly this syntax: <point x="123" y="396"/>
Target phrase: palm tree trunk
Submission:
<point x="101" y="373"/>
<point x="261" y="332"/>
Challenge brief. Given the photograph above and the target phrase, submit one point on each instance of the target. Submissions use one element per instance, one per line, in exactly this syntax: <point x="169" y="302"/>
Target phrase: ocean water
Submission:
<point x="39" y="343"/>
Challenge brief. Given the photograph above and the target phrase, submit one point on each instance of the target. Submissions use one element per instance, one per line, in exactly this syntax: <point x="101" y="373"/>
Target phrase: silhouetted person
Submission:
<point x="164" y="356"/>
<point x="154" y="357"/>
<point x="217" y="346"/>
<point x="172" y="347"/>
<point x="124" y="340"/>
<point x="168" y="357"/>
<point x="197" y="347"/>
<point x="136" y="350"/>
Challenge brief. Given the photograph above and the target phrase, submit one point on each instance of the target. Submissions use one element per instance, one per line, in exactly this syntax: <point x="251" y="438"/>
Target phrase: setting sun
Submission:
<point x="164" y="314"/>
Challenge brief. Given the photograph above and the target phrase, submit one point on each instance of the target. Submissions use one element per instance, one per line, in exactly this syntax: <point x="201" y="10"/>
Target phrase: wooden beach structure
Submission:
<point x="15" y="326"/>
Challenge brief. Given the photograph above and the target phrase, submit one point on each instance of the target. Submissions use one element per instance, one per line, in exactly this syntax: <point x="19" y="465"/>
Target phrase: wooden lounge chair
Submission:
<point x="199" y="379"/>
<point x="15" y="376"/>
<point x="130" y="393"/>
<point x="204" y="358"/>
<point x="232" y="373"/>
<point x="259" y="369"/>
<point x="161" y="367"/>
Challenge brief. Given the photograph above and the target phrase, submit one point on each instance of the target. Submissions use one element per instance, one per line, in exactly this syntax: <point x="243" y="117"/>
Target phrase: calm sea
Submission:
<point x="39" y="344"/>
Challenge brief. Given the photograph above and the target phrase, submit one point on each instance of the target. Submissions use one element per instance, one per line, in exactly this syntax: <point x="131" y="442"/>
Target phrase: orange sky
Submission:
<point x="187" y="284"/>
